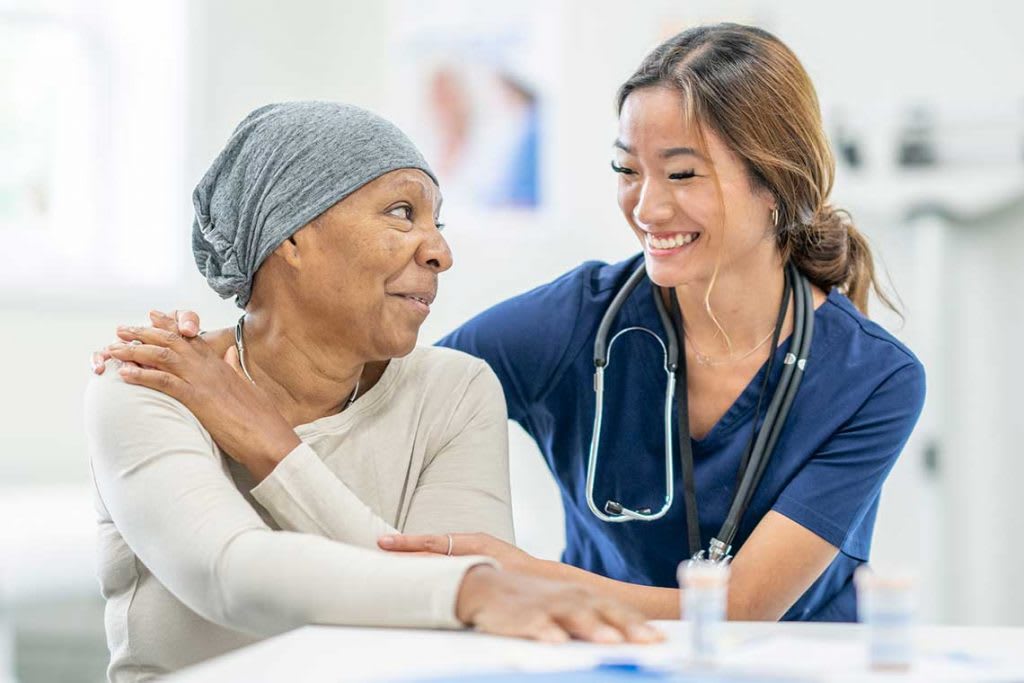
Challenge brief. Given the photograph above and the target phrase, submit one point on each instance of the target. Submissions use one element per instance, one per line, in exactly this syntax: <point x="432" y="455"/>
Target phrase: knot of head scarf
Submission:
<point x="284" y="165"/>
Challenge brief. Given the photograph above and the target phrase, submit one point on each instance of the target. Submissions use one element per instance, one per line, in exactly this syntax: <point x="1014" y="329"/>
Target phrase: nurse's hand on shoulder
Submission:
<point x="239" y="415"/>
<point x="185" y="323"/>
<point x="507" y="604"/>
<point x="168" y="358"/>
<point x="509" y="556"/>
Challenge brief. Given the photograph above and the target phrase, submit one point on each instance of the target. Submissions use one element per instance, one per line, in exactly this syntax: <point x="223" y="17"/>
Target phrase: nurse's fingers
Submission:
<point x="148" y="356"/>
<point x="164" y="322"/>
<point x="98" y="359"/>
<point x="188" y="322"/>
<point x="421" y="554"/>
<point x="159" y="337"/>
<point x="430" y="543"/>
<point x="164" y="382"/>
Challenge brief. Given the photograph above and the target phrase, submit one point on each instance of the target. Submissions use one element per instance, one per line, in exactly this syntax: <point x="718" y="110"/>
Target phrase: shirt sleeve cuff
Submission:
<point x="811" y="519"/>
<point x="446" y="587"/>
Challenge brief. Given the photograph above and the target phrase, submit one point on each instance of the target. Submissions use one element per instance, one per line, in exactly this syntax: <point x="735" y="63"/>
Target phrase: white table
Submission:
<point x="812" y="652"/>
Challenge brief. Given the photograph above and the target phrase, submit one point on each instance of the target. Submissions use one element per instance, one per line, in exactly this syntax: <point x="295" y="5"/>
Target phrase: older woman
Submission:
<point x="245" y="498"/>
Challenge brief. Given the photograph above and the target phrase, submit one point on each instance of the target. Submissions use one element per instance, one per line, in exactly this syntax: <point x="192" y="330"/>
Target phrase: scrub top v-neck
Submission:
<point x="854" y="411"/>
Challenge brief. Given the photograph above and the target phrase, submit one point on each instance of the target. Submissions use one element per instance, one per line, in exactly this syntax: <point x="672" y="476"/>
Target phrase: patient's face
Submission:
<point x="367" y="267"/>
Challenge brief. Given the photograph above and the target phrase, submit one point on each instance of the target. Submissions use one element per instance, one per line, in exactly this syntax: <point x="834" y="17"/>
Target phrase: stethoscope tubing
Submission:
<point x="778" y="410"/>
<point x="756" y="460"/>
<point x="626" y="514"/>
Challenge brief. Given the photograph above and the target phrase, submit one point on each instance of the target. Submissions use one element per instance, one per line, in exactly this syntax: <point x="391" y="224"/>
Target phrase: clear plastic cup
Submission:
<point x="886" y="604"/>
<point x="704" y="598"/>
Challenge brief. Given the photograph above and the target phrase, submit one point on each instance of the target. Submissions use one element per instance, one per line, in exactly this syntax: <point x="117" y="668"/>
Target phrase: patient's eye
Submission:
<point x="401" y="211"/>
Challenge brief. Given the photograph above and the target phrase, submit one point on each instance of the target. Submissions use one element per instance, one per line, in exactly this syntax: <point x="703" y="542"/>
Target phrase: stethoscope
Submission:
<point x="762" y="443"/>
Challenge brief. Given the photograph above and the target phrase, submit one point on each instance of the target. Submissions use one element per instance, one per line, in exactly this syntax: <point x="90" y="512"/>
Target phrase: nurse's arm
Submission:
<point x="777" y="564"/>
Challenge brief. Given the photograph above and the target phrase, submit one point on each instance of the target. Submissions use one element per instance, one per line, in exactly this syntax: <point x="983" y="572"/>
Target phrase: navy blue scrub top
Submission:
<point x="855" y="409"/>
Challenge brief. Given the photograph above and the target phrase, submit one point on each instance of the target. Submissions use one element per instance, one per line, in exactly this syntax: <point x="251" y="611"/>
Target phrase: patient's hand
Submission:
<point x="240" y="416"/>
<point x="185" y="323"/>
<point x="508" y="604"/>
<point x="509" y="556"/>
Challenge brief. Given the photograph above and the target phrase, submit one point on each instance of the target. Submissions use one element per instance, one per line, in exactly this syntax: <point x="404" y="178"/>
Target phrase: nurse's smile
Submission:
<point x="669" y="243"/>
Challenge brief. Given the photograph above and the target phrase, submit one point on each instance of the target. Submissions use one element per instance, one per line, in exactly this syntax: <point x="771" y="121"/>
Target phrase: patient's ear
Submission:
<point x="290" y="251"/>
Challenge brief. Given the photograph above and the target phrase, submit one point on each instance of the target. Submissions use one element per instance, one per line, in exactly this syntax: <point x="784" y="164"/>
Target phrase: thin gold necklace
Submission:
<point x="707" y="360"/>
<point x="240" y="347"/>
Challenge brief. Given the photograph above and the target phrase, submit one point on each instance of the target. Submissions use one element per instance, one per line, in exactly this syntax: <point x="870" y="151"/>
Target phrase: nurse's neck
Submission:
<point x="743" y="301"/>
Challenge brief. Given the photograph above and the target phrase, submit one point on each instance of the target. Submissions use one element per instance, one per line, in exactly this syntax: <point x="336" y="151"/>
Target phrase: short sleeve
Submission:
<point x="525" y="339"/>
<point x="835" y="492"/>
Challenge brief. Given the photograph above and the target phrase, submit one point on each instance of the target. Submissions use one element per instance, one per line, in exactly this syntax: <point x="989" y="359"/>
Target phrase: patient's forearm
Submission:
<point x="303" y="494"/>
<point x="271" y="581"/>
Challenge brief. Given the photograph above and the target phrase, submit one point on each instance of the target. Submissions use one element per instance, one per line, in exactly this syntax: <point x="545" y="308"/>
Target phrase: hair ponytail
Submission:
<point x="831" y="252"/>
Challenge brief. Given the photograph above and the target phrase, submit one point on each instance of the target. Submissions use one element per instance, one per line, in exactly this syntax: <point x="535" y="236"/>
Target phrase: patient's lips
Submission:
<point x="418" y="300"/>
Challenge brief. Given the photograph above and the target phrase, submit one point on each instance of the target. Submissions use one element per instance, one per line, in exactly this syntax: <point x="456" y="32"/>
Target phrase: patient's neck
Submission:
<point x="307" y="375"/>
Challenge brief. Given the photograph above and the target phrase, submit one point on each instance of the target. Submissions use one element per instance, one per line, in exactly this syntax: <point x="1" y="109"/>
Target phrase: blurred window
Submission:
<point x="51" y="123"/>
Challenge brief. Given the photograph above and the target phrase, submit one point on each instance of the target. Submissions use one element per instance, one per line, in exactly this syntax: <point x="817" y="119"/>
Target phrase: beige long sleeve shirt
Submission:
<point x="194" y="561"/>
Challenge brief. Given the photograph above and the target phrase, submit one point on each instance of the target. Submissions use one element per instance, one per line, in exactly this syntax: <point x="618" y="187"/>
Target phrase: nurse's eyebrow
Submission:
<point x="665" y="153"/>
<point x="680" y="151"/>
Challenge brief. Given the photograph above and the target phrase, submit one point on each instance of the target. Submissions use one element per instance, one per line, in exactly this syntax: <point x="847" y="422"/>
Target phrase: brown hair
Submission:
<point x="752" y="91"/>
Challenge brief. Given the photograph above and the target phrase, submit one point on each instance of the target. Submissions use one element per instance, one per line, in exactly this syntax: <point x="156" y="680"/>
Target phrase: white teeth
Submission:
<point x="673" y="242"/>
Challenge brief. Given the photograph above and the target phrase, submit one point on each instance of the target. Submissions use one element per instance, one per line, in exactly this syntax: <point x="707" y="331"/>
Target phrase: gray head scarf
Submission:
<point x="284" y="165"/>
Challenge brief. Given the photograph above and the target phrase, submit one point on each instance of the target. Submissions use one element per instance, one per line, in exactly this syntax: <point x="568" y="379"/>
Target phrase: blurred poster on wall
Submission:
<point x="471" y="83"/>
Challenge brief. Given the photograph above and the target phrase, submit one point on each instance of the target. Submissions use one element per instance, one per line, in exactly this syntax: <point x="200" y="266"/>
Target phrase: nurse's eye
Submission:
<point x="682" y="175"/>
<point x="622" y="169"/>
<point x="401" y="211"/>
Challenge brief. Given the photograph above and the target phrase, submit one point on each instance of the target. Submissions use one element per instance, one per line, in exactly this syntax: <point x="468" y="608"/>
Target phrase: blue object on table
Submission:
<point x="613" y="672"/>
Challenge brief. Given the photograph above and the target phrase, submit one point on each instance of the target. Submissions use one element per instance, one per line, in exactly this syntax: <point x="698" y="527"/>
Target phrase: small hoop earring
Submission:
<point x="775" y="217"/>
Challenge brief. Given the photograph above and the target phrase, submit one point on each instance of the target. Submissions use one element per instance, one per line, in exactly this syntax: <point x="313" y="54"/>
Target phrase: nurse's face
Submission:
<point x="670" y="199"/>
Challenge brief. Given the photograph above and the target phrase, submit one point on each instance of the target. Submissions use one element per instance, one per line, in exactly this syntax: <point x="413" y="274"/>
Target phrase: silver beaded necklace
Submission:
<point x="240" y="347"/>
